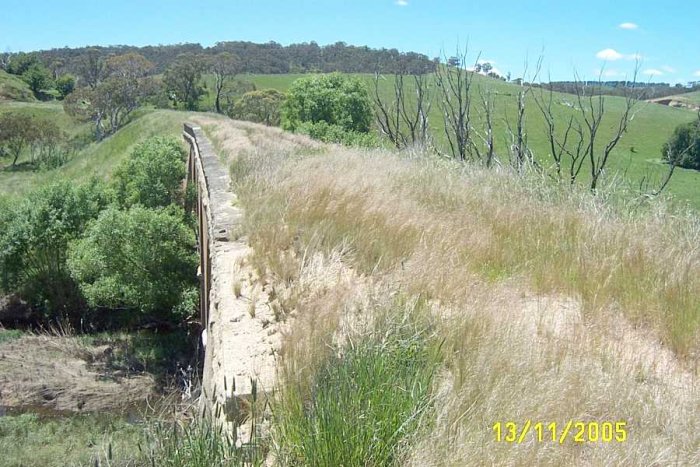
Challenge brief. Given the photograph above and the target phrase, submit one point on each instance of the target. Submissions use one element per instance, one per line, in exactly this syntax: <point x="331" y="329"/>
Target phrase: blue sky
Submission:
<point x="573" y="35"/>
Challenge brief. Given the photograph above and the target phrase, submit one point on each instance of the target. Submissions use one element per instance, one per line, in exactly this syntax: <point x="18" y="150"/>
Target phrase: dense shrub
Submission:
<point x="139" y="260"/>
<point x="34" y="237"/>
<point x="335" y="99"/>
<point x="325" y="132"/>
<point x="262" y="106"/>
<point x="65" y="84"/>
<point x="683" y="147"/>
<point x="152" y="175"/>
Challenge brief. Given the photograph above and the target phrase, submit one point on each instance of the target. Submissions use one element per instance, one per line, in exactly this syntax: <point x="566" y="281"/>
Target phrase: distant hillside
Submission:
<point x="620" y="88"/>
<point x="13" y="88"/>
<point x="690" y="100"/>
<point x="269" y="58"/>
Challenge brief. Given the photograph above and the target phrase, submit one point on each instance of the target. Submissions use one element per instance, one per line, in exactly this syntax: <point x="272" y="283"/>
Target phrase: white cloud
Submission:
<point x="609" y="54"/>
<point x="612" y="55"/>
<point x="653" y="72"/>
<point x="401" y="2"/>
<point x="628" y="26"/>
<point x="697" y="73"/>
<point x="668" y="69"/>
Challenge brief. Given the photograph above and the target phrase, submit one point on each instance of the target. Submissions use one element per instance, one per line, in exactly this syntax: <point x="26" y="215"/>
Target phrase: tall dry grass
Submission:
<point x="554" y="304"/>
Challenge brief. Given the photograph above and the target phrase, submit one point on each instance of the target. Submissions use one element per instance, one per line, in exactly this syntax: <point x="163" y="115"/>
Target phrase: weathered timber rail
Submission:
<point x="238" y="349"/>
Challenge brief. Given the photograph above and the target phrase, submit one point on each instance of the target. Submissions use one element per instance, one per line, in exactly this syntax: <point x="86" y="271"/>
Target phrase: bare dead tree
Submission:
<point x="578" y="143"/>
<point x="562" y="154"/>
<point x="591" y="109"/>
<point x="488" y="154"/>
<point x="519" y="150"/>
<point x="455" y="85"/>
<point x="404" y="119"/>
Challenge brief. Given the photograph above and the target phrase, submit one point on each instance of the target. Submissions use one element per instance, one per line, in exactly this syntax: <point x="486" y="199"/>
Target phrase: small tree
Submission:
<point x="38" y="77"/>
<point x="333" y="98"/>
<point x="224" y="66"/>
<point x="182" y="80"/>
<point x="34" y="237"/>
<point x="259" y="106"/>
<point x="111" y="101"/>
<point x="574" y="142"/>
<point x="15" y="134"/>
<point x="404" y="119"/>
<point x="454" y="85"/>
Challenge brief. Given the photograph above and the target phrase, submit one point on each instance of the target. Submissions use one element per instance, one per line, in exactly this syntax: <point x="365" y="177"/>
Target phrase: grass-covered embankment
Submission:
<point x="550" y="303"/>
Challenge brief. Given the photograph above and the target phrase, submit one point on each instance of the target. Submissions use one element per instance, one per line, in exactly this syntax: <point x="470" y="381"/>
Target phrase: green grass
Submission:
<point x="364" y="400"/>
<point x="7" y="335"/>
<point x="13" y="88"/>
<point x="29" y="440"/>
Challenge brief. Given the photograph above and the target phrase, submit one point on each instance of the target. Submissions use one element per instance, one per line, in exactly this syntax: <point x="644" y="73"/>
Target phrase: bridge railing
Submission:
<point x="196" y="177"/>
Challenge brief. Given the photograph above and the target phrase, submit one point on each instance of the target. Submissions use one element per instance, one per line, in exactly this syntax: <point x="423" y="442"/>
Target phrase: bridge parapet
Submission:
<point x="235" y="356"/>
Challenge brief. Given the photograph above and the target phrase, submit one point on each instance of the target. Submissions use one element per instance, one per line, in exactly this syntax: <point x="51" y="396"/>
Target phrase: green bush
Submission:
<point x="152" y="175"/>
<point x="34" y="238"/>
<point x="683" y="147"/>
<point x="259" y="106"/>
<point x="327" y="133"/>
<point x="333" y="98"/>
<point x="138" y="260"/>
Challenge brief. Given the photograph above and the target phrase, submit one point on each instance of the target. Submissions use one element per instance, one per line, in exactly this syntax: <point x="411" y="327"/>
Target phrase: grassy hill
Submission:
<point x="96" y="159"/>
<point x="13" y="88"/>
<point x="637" y="156"/>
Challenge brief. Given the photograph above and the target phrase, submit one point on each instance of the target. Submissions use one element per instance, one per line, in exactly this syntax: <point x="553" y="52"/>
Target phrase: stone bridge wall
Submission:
<point x="239" y="348"/>
<point x="216" y="218"/>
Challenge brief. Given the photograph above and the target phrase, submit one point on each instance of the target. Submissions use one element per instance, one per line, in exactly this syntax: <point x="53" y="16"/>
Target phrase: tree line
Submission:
<point x="267" y="58"/>
<point x="619" y="88"/>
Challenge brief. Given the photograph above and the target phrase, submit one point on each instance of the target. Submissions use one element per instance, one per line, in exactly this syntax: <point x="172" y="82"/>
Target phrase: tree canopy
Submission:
<point x="182" y="79"/>
<point x="334" y="98"/>
<point x="137" y="259"/>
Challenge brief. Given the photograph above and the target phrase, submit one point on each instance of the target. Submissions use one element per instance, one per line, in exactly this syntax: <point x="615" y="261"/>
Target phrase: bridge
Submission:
<point x="238" y="356"/>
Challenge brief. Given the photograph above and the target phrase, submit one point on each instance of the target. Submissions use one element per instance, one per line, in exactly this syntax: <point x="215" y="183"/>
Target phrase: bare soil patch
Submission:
<point x="64" y="374"/>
